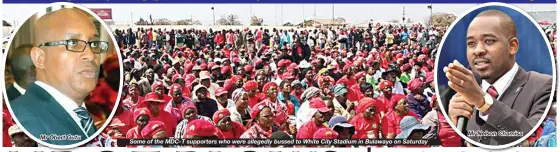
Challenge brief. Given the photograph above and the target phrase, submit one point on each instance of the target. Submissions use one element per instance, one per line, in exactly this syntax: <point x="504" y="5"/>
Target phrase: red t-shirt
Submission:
<point x="392" y="122"/>
<point x="307" y="130"/>
<point x="366" y="129"/>
<point x="236" y="131"/>
<point x="447" y="136"/>
<point x="127" y="119"/>
<point x="169" y="121"/>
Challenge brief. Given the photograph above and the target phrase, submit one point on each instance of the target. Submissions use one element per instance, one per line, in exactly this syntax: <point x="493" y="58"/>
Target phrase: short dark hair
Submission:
<point x="507" y="24"/>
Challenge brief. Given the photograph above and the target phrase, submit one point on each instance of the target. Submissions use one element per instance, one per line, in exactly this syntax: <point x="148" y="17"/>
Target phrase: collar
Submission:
<point x="19" y="88"/>
<point x="503" y="82"/>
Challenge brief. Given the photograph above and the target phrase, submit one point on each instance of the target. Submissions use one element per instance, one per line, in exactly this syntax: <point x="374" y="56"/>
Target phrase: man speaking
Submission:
<point x="66" y="56"/>
<point x="510" y="101"/>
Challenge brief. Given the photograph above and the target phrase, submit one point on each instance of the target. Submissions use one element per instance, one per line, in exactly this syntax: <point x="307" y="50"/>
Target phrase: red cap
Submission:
<point x="201" y="128"/>
<point x="220" y="114"/>
<point x="225" y="69"/>
<point x="248" y="68"/>
<point x="385" y="83"/>
<point x="325" y="133"/>
<point x="175" y="77"/>
<point x="157" y="84"/>
<point x="221" y="91"/>
<point x="141" y="111"/>
<point x="250" y="85"/>
<point x="152" y="96"/>
<point x="284" y="63"/>
<point x="152" y="128"/>
<point x="319" y="104"/>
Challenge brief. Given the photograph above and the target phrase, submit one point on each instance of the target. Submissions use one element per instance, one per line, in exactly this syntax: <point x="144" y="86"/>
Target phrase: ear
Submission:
<point x="513" y="46"/>
<point x="38" y="57"/>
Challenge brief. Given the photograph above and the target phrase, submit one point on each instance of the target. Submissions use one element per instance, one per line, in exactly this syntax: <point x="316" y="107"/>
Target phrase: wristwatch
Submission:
<point x="488" y="101"/>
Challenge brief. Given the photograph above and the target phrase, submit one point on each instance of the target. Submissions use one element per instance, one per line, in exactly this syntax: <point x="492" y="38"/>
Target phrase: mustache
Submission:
<point x="90" y="66"/>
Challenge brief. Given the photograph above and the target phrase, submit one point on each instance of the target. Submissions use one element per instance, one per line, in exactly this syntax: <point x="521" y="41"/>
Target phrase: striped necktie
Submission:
<point x="85" y="121"/>
<point x="493" y="92"/>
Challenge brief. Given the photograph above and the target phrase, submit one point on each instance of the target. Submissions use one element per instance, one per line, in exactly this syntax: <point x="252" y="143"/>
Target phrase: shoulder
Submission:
<point x="539" y="78"/>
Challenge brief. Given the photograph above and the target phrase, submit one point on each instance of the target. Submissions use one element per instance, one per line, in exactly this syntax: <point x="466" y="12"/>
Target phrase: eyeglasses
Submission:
<point x="74" y="45"/>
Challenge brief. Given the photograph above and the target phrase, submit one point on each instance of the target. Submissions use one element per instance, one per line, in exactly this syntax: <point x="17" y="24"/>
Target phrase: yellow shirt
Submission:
<point x="155" y="35"/>
<point x="390" y="38"/>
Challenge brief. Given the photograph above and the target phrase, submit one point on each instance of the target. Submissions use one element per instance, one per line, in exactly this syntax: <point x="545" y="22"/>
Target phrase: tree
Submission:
<point x="288" y="24"/>
<point x="162" y="21"/>
<point x="188" y="22"/>
<point x="228" y="20"/>
<point x="441" y="19"/>
<point x="142" y="22"/>
<point x="256" y="21"/>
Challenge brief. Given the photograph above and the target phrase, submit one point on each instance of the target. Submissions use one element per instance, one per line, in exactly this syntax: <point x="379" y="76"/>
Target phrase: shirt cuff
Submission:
<point x="482" y="116"/>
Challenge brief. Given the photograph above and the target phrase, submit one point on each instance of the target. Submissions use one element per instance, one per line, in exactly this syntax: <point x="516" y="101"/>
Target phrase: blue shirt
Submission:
<point x="404" y="36"/>
<point x="293" y="99"/>
<point x="548" y="127"/>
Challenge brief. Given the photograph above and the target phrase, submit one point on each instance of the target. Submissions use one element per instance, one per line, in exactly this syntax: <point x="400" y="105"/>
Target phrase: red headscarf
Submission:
<point x="415" y="84"/>
<point x="366" y="103"/>
<point x="141" y="111"/>
<point x="268" y="85"/>
<point x="250" y="85"/>
<point x="396" y="98"/>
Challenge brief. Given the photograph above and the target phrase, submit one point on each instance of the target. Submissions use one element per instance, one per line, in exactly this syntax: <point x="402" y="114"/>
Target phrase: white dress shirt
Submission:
<point x="68" y="104"/>
<point x="19" y="88"/>
<point x="501" y="85"/>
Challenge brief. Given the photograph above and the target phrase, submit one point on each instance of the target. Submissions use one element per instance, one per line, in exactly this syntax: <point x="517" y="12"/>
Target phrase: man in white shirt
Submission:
<point x="509" y="100"/>
<point x="23" y="71"/>
<point x="66" y="57"/>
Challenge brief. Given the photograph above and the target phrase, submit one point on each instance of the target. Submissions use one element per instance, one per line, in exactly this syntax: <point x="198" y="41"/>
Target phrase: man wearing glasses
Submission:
<point x="66" y="56"/>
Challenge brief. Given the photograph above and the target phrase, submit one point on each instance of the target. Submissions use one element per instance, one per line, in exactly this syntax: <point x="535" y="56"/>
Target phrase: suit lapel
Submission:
<point x="57" y="112"/>
<point x="511" y="93"/>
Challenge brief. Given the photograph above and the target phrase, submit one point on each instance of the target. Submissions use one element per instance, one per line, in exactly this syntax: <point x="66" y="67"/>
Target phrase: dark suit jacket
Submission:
<point x="520" y="108"/>
<point x="40" y="114"/>
<point x="12" y="93"/>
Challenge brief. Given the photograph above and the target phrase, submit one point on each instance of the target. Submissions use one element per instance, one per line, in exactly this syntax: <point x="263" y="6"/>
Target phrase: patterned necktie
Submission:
<point x="85" y="120"/>
<point x="492" y="92"/>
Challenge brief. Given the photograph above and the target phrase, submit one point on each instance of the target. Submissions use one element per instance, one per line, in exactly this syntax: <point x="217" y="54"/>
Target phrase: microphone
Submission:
<point x="462" y="120"/>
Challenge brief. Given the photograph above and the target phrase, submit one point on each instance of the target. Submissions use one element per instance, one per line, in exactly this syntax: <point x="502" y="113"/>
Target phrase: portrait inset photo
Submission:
<point x="495" y="73"/>
<point x="62" y="77"/>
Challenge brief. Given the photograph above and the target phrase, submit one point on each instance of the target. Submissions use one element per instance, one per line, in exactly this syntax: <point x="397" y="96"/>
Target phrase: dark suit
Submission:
<point x="519" y="108"/>
<point x="40" y="114"/>
<point x="12" y="92"/>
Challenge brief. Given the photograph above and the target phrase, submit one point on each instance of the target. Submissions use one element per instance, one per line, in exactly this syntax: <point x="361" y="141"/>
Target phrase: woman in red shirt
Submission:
<point x="141" y="117"/>
<point x="230" y="129"/>
<point x="367" y="120"/>
<point x="391" y="121"/>
<point x="252" y="89"/>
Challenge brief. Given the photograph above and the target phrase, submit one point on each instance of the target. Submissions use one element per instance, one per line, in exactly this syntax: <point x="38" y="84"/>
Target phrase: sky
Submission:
<point x="272" y="14"/>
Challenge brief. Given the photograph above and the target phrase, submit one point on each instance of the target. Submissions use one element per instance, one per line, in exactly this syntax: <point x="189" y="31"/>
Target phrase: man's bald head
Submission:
<point x="507" y="24"/>
<point x="51" y="23"/>
<point x="63" y="55"/>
